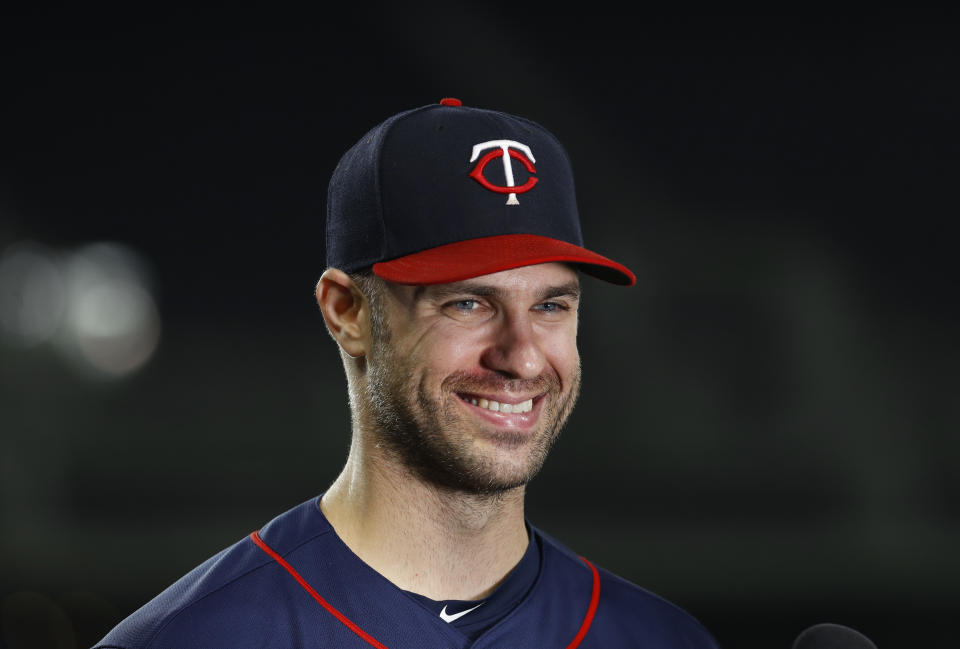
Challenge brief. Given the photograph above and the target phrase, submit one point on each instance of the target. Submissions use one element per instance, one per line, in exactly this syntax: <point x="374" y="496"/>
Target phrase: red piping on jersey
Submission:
<point x="255" y="537"/>
<point x="591" y="610"/>
<point x="577" y="639"/>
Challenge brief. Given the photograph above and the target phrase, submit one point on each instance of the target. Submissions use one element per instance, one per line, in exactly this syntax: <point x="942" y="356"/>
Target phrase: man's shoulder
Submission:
<point x="219" y="599"/>
<point x="215" y="578"/>
<point x="625" y="614"/>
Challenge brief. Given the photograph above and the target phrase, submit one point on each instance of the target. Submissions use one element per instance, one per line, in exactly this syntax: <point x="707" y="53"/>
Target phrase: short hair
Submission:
<point x="374" y="289"/>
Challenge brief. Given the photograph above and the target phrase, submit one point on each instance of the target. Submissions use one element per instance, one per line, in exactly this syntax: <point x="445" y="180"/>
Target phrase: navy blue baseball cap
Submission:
<point x="447" y="192"/>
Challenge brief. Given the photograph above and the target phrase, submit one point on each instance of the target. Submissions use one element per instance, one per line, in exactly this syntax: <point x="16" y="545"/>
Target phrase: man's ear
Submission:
<point x="345" y="310"/>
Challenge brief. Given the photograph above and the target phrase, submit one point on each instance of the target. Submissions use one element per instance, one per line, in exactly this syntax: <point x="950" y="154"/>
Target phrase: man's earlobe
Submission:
<point x="345" y="311"/>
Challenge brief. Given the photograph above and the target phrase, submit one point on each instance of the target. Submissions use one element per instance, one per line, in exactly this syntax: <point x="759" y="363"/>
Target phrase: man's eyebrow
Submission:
<point x="570" y="290"/>
<point x="440" y="291"/>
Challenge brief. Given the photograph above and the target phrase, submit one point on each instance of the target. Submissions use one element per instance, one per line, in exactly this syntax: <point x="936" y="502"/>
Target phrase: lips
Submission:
<point x="498" y="406"/>
<point x="518" y="416"/>
<point x="504" y="402"/>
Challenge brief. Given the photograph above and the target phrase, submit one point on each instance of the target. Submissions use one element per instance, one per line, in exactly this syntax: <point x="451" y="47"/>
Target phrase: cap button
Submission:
<point x="450" y="101"/>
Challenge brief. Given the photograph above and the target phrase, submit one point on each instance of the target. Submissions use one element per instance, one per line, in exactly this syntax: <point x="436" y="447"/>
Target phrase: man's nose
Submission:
<point x="515" y="349"/>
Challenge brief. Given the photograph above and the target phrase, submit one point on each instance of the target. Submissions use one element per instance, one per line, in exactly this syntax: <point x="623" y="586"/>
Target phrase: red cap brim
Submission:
<point x="462" y="260"/>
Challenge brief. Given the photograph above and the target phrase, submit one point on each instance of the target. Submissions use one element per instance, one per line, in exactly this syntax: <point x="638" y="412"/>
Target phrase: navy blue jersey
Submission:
<point x="295" y="584"/>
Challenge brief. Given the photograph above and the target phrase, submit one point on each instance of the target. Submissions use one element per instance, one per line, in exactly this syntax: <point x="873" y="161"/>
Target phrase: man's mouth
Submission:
<point x="498" y="406"/>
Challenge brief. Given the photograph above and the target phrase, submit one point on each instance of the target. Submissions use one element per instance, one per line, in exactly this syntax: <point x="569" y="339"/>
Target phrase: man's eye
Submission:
<point x="551" y="307"/>
<point x="465" y="305"/>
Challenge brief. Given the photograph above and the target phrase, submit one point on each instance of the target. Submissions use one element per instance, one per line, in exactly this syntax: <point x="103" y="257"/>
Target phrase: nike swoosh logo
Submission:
<point x="456" y="616"/>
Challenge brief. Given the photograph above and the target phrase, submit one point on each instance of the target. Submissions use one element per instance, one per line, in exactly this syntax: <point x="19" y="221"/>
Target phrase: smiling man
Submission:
<point x="452" y="291"/>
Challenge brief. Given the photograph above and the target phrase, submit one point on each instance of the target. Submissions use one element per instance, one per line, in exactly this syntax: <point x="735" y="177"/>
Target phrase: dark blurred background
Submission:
<point x="767" y="435"/>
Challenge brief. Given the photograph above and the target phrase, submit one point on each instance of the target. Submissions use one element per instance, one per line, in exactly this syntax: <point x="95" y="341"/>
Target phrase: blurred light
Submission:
<point x="31" y="294"/>
<point x="94" y="303"/>
<point x="117" y="326"/>
<point x="111" y="322"/>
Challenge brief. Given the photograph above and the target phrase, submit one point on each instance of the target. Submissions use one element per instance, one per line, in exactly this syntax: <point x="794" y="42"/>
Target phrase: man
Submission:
<point x="453" y="245"/>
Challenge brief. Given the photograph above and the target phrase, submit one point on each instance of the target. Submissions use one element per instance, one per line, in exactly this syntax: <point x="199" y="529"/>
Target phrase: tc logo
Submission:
<point x="505" y="149"/>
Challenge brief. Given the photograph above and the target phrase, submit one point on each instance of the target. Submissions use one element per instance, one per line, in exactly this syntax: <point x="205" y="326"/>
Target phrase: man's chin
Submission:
<point x="502" y="461"/>
<point x="494" y="486"/>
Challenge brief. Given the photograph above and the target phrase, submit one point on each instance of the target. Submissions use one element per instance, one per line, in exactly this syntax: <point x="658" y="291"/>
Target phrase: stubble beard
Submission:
<point x="434" y="439"/>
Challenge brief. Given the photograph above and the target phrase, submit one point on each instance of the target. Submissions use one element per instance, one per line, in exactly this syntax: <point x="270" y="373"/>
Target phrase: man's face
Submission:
<point x="472" y="381"/>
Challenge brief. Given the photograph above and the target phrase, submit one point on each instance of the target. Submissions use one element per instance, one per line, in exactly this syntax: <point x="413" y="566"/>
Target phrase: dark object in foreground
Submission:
<point x="832" y="636"/>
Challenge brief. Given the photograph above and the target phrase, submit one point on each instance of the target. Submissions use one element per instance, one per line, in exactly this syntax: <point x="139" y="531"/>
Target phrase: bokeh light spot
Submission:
<point x="31" y="294"/>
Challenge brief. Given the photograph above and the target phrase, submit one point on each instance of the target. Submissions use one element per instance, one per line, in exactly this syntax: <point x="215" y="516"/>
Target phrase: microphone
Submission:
<point x="832" y="636"/>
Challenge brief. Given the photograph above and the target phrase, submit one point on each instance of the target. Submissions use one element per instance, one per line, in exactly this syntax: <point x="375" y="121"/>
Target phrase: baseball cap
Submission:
<point x="447" y="192"/>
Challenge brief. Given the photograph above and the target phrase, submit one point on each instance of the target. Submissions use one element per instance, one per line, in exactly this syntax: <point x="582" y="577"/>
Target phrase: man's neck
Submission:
<point x="438" y="543"/>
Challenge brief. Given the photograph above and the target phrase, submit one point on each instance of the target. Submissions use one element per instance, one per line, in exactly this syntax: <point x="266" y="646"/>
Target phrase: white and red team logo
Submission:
<point x="505" y="149"/>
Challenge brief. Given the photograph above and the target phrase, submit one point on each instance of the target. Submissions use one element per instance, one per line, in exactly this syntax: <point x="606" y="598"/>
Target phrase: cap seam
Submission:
<point x="388" y="126"/>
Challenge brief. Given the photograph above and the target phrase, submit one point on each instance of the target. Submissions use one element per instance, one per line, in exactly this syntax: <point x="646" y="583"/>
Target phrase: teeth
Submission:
<point x="496" y="406"/>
